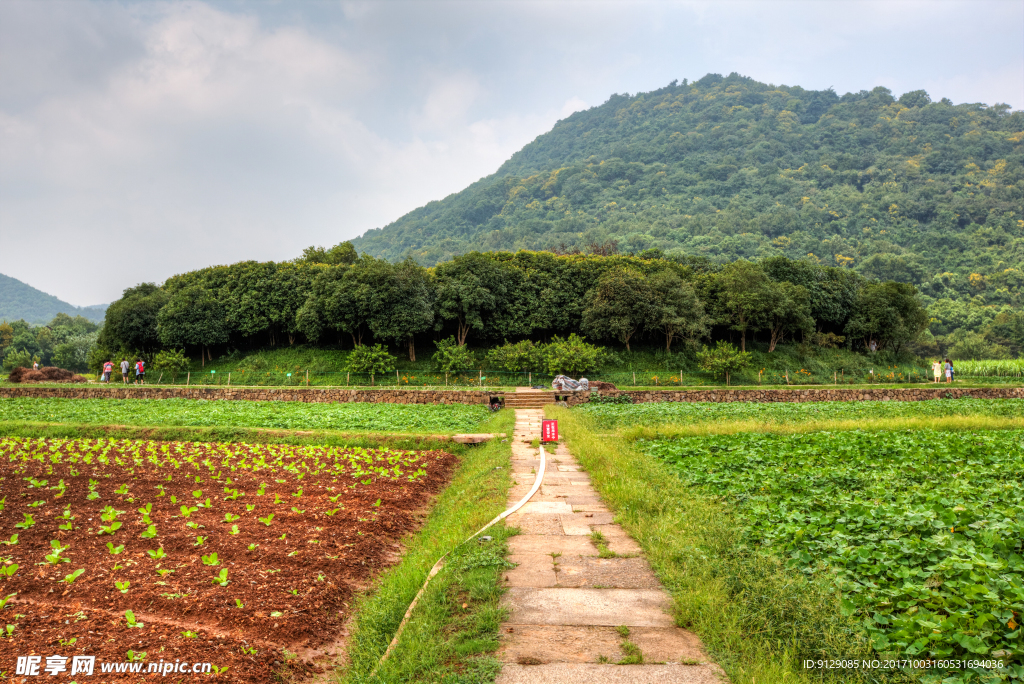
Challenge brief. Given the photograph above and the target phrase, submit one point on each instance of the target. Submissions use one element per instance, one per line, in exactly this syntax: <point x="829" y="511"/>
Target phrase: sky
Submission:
<point x="143" y="139"/>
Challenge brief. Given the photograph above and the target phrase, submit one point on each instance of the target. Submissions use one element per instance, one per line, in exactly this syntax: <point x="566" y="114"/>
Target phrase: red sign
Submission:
<point x="549" y="431"/>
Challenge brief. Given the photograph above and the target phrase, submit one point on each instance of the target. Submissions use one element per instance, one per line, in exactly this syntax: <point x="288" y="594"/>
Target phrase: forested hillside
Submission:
<point x="907" y="189"/>
<point x="19" y="300"/>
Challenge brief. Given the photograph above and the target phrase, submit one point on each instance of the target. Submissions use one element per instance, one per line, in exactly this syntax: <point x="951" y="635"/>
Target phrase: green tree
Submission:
<point x="73" y="354"/>
<point x="680" y="314"/>
<point x="622" y="304"/>
<point x="723" y="359"/>
<point x="18" y="358"/>
<point x="131" y="321"/>
<point x="399" y="300"/>
<point x="887" y="315"/>
<point x="788" y="311"/>
<point x="193" y="317"/>
<point x="467" y="289"/>
<point x="746" y="295"/>
<point x="342" y="254"/>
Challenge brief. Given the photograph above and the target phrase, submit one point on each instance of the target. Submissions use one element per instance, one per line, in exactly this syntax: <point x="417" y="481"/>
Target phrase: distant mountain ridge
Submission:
<point x="726" y="167"/>
<point x="20" y="300"/>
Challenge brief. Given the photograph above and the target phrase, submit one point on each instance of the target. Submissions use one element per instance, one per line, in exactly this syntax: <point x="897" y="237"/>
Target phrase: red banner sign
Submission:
<point x="549" y="431"/>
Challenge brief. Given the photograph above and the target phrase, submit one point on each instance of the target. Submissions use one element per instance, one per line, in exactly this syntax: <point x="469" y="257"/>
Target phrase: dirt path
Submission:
<point x="580" y="605"/>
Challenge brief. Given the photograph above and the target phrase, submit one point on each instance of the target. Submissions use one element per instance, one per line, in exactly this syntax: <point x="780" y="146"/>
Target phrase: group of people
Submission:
<point x="940" y="367"/>
<point x="126" y="368"/>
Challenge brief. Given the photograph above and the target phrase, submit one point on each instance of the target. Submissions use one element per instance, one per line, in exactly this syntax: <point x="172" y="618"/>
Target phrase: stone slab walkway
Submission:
<point x="577" y="610"/>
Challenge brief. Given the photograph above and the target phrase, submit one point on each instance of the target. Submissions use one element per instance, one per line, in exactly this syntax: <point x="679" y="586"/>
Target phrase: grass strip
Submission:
<point x="757" y="619"/>
<point x="943" y="423"/>
<point x="456" y="624"/>
<point x="182" y="433"/>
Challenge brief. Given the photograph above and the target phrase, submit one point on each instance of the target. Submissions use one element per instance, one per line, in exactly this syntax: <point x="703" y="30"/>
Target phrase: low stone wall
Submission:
<point x="310" y="395"/>
<point x="761" y="396"/>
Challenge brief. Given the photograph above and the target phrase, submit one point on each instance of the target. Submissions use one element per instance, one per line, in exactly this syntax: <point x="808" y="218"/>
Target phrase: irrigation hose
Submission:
<point x="440" y="563"/>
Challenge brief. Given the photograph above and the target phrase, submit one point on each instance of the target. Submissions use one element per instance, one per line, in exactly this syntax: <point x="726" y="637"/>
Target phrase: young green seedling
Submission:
<point x="122" y="490"/>
<point x="12" y="541"/>
<point x="210" y="559"/>
<point x="295" y="509"/>
<point x="54" y="558"/>
<point x="156" y="555"/>
<point x="129" y="617"/>
<point x="187" y="511"/>
<point x="250" y="507"/>
<point x="234" y="529"/>
<point x="123" y="586"/>
<point x="231" y="517"/>
<point x="238" y="603"/>
<point x="114" y="550"/>
<point x="189" y="634"/>
<point x="150" y="532"/>
<point x="70" y="579"/>
<point x="28" y="522"/>
<point x="200" y="541"/>
<point x="4" y="600"/>
<point x="135" y="656"/>
<point x="252" y="547"/>
<point x="222" y="578"/>
<point x="266" y="521"/>
<point x="109" y="529"/>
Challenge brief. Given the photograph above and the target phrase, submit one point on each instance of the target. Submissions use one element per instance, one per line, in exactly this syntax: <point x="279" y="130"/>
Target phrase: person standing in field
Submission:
<point x="949" y="371"/>
<point x="952" y="372"/>
<point x="140" y="372"/>
<point x="108" y="368"/>
<point x="125" y="367"/>
<point x="937" y="369"/>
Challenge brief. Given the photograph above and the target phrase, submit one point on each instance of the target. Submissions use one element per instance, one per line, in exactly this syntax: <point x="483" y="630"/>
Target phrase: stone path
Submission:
<point x="576" y="614"/>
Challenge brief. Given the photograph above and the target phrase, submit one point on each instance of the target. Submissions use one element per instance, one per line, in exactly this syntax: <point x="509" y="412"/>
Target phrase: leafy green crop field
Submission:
<point x="624" y="415"/>
<point x="920" y="530"/>
<point x="430" y="418"/>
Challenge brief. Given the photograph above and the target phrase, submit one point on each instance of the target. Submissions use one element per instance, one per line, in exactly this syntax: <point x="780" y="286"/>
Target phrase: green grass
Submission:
<point x="443" y="641"/>
<point x="919" y="530"/>
<point x="287" y="415"/>
<point x="608" y="416"/>
<point x="757" y="617"/>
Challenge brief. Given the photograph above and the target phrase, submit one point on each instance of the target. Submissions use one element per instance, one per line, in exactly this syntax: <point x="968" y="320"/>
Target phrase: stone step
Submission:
<point x="571" y="673"/>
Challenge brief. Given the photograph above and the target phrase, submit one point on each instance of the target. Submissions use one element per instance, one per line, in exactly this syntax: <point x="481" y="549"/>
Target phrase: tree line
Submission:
<point x="334" y="297"/>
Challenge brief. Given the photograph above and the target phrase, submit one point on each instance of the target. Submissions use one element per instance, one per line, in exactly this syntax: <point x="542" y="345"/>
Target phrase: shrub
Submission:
<point x="572" y="356"/>
<point x="171" y="361"/>
<point x="521" y="356"/>
<point x="372" y="360"/>
<point x="451" y="356"/>
<point x="18" y="358"/>
<point x="723" y="359"/>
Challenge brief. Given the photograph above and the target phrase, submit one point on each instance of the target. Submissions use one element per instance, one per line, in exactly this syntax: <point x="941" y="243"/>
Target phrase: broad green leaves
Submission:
<point x="919" y="530"/>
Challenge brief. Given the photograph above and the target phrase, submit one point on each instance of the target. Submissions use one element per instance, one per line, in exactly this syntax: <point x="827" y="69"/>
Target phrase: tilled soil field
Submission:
<point x="241" y="556"/>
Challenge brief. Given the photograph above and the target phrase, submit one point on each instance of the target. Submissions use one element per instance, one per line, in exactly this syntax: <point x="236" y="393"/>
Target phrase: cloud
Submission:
<point x="139" y="140"/>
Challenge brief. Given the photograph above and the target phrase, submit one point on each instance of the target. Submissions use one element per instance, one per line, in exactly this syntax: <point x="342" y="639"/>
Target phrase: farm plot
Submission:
<point x="288" y="415"/>
<point x="920" y="531"/>
<point x="239" y="555"/>
<point x="625" y="415"/>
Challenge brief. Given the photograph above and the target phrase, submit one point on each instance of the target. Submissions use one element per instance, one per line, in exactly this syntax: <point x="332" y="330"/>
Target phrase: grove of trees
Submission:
<point x="495" y="297"/>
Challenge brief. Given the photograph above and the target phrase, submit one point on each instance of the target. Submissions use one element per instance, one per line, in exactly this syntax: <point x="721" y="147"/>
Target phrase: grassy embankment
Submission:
<point x="757" y="617"/>
<point x="789" y="365"/>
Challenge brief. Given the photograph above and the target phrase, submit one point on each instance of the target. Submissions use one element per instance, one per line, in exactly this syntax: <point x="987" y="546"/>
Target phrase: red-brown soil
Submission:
<point x="44" y="374"/>
<point x="295" y="591"/>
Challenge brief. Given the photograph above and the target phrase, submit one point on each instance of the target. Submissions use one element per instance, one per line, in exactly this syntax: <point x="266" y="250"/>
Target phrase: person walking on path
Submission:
<point x="108" y="368"/>
<point x="125" y="367"/>
<point x="952" y="372"/>
<point x="140" y="372"/>
<point x="949" y="371"/>
<point x="937" y="370"/>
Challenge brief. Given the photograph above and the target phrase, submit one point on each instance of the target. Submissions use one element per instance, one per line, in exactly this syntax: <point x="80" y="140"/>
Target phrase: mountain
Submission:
<point x="905" y="189"/>
<point x="19" y="300"/>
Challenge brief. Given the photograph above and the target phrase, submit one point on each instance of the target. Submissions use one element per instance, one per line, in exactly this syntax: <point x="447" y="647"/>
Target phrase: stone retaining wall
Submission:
<point x="724" y="395"/>
<point x="311" y="395"/>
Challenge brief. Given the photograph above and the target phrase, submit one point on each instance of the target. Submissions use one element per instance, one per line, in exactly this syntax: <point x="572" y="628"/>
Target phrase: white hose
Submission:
<point x="440" y="563"/>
